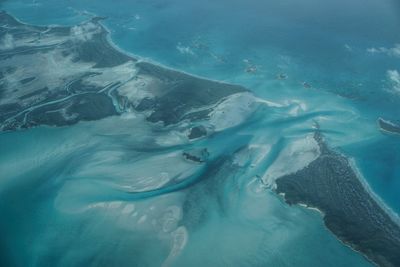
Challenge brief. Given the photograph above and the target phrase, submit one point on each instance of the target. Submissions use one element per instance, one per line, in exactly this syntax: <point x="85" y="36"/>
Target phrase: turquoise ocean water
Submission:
<point x="49" y="176"/>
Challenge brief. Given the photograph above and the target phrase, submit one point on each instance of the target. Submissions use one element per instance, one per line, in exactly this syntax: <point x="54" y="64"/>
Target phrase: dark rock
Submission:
<point x="197" y="155"/>
<point x="197" y="132"/>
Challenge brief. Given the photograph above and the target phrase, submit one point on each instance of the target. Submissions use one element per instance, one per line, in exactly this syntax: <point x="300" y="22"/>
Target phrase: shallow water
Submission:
<point x="101" y="185"/>
<point x="65" y="194"/>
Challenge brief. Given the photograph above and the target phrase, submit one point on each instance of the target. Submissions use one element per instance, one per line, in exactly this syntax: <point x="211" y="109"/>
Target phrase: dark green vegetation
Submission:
<point x="181" y="93"/>
<point x="330" y="184"/>
<point x="62" y="75"/>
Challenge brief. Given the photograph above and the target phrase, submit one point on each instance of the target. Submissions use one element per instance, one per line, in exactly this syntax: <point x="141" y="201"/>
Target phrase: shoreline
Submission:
<point x="99" y="49"/>
<point x="322" y="214"/>
<point x="357" y="172"/>
<point x="350" y="210"/>
<point x="139" y="59"/>
<point x="393" y="214"/>
<point x="110" y="41"/>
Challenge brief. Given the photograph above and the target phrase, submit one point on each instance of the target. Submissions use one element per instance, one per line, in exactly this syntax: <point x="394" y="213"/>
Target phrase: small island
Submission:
<point x="388" y="126"/>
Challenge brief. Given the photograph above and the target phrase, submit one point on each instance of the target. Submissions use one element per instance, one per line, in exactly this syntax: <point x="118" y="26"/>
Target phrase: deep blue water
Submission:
<point x="324" y="43"/>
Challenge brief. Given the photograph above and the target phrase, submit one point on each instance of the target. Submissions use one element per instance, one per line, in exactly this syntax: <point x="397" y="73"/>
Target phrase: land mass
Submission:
<point x="62" y="75"/>
<point x="330" y="184"/>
